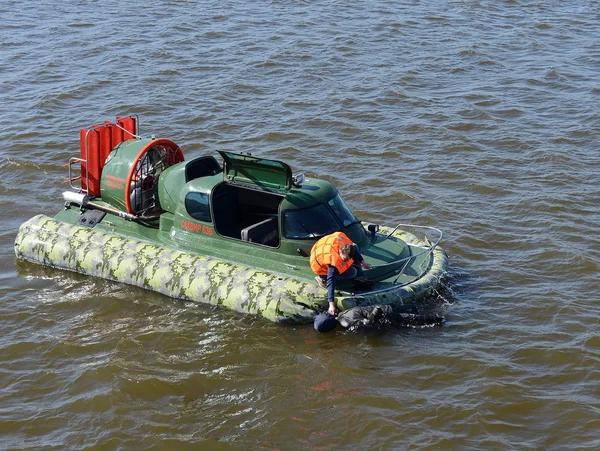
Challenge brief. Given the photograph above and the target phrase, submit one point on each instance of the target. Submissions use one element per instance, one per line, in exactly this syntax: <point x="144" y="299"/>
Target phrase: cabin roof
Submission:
<point x="174" y="187"/>
<point x="311" y="192"/>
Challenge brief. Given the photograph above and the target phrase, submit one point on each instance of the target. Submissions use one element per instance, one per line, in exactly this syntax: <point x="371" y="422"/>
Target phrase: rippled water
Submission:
<point x="478" y="117"/>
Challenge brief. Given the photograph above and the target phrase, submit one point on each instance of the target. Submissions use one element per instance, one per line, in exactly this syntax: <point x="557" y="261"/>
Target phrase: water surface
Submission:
<point x="478" y="117"/>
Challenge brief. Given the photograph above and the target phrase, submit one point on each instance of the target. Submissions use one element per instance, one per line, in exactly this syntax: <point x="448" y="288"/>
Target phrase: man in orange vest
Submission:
<point x="336" y="256"/>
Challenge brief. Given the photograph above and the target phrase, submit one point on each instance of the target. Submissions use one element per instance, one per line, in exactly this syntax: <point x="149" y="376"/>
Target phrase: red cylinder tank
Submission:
<point x="90" y="160"/>
<point x="96" y="143"/>
<point x="129" y="124"/>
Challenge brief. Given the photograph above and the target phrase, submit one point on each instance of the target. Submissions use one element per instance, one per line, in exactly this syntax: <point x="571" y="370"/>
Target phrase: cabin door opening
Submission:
<point x="246" y="214"/>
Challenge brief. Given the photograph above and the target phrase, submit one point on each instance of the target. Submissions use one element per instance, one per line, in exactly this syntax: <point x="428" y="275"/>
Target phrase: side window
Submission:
<point x="196" y="205"/>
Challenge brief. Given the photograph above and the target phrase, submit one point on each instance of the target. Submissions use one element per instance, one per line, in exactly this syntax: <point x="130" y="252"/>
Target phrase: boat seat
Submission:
<point x="264" y="232"/>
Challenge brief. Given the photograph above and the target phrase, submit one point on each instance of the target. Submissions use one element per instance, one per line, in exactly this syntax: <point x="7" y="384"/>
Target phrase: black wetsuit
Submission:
<point x="369" y="316"/>
<point x="375" y="316"/>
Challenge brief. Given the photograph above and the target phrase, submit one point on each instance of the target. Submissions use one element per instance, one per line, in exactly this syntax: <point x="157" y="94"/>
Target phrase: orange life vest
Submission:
<point x="326" y="252"/>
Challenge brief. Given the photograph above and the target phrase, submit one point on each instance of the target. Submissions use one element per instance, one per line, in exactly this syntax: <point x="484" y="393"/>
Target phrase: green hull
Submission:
<point x="193" y="277"/>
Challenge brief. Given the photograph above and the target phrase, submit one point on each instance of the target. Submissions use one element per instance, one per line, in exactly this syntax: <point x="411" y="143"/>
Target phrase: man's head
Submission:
<point x="346" y="251"/>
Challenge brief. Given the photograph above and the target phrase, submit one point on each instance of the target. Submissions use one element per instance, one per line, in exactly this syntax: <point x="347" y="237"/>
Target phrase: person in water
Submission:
<point x="335" y="257"/>
<point x="372" y="317"/>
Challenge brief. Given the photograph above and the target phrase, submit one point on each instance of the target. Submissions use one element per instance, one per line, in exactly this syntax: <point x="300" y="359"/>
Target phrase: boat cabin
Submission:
<point x="252" y="199"/>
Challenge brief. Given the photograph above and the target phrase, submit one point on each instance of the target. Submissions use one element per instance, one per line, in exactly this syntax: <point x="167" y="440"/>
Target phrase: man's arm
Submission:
<point x="332" y="274"/>
<point x="359" y="260"/>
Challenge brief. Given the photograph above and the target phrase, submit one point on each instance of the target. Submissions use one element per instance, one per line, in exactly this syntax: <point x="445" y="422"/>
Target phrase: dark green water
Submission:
<point x="477" y="117"/>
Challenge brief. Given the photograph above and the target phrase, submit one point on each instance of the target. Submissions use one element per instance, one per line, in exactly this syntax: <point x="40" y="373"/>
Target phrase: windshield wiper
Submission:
<point x="310" y="234"/>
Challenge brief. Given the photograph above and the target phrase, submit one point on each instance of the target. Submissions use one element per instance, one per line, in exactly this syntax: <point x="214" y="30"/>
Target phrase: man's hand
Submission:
<point x="365" y="265"/>
<point x="331" y="310"/>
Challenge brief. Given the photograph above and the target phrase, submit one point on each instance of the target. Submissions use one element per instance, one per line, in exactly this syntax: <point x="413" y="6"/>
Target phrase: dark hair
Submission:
<point x="347" y="251"/>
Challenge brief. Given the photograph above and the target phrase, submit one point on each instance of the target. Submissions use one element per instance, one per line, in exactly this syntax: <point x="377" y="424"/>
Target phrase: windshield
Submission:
<point x="342" y="211"/>
<point x="309" y="223"/>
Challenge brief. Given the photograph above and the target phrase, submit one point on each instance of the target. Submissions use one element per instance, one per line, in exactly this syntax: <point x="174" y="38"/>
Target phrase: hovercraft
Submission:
<point x="236" y="232"/>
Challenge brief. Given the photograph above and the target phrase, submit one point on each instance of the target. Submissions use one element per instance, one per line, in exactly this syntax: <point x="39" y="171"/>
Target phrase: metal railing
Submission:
<point x="427" y="250"/>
